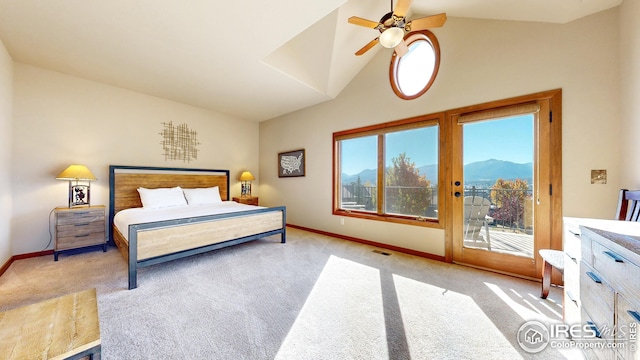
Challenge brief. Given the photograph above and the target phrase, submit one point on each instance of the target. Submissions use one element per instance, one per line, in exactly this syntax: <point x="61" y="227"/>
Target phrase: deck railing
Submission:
<point x="510" y="208"/>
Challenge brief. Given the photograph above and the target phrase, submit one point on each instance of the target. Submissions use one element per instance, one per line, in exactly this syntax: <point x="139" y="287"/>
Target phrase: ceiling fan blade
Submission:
<point x="427" y="22"/>
<point x="402" y="6"/>
<point x="401" y="49"/>
<point x="363" y="22"/>
<point x="366" y="48"/>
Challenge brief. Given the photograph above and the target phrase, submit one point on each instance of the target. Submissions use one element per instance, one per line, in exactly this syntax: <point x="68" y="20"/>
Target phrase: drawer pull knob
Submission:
<point x="85" y="235"/>
<point x="83" y="224"/>
<point x="594" y="277"/>
<point x="614" y="256"/>
<point x="594" y="328"/>
<point x="635" y="315"/>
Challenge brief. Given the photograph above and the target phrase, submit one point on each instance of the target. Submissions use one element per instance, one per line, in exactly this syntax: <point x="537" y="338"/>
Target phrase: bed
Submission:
<point x="193" y="231"/>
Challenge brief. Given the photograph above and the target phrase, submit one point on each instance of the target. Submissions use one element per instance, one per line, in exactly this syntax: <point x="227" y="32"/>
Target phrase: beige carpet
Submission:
<point x="314" y="297"/>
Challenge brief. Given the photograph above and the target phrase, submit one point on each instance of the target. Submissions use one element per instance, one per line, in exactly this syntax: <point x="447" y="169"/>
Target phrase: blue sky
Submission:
<point x="509" y="139"/>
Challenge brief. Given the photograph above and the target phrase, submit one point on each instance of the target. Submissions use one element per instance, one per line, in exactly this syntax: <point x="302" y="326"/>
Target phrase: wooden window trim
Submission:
<point x="380" y="130"/>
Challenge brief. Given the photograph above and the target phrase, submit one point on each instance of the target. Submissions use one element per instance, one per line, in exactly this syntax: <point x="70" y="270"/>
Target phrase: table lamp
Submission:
<point x="79" y="194"/>
<point x="246" y="178"/>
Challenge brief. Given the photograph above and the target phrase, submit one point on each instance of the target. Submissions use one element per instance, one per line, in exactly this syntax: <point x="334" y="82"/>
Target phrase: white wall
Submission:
<point x="6" y="119"/>
<point x="60" y="120"/>
<point x="630" y="92"/>
<point x="482" y="60"/>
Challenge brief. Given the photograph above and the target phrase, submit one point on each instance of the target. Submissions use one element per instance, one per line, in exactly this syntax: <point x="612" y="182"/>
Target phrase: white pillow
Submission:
<point x="203" y="196"/>
<point x="161" y="197"/>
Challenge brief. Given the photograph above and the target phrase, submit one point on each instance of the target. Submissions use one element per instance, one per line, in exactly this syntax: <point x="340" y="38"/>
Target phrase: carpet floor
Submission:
<point x="315" y="297"/>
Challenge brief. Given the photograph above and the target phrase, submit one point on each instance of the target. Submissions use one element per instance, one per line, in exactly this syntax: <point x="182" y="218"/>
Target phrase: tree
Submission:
<point x="509" y="198"/>
<point x="407" y="192"/>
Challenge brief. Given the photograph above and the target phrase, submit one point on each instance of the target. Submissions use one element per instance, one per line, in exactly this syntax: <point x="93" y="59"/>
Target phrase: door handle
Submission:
<point x="457" y="194"/>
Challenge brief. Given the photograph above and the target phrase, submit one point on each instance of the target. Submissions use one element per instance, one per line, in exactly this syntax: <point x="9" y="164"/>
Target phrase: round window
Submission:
<point x="412" y="74"/>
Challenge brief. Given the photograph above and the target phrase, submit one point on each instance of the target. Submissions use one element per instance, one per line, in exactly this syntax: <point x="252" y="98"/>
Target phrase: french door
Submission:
<point x="505" y="192"/>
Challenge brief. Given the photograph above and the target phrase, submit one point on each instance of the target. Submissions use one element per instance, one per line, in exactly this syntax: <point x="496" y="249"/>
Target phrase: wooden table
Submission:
<point x="66" y="327"/>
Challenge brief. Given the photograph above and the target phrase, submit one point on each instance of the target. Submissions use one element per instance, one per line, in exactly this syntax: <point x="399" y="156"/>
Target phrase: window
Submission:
<point x="389" y="171"/>
<point x="412" y="74"/>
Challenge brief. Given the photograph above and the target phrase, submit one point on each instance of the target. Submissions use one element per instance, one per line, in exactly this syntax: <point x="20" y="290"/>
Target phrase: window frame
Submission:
<point x="380" y="130"/>
<point x="410" y="38"/>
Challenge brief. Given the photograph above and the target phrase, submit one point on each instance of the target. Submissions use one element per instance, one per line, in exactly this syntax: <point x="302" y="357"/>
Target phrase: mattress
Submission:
<point x="127" y="217"/>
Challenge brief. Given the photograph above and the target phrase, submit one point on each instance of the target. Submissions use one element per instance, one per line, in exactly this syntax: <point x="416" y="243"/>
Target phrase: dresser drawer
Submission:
<point x="617" y="270"/>
<point x="571" y="242"/>
<point x="571" y="274"/>
<point x="628" y="319"/>
<point x="597" y="300"/>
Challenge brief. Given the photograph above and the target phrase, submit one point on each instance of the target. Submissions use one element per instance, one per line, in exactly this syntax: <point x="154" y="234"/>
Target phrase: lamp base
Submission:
<point x="79" y="195"/>
<point x="245" y="189"/>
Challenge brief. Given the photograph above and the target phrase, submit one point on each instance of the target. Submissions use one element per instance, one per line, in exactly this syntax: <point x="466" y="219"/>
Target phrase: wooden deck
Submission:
<point x="505" y="241"/>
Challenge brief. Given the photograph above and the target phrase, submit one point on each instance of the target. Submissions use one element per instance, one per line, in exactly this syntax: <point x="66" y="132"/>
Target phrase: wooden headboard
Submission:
<point x="124" y="182"/>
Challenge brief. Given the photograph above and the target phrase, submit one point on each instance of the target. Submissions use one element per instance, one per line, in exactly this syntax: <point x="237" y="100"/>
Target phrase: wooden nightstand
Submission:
<point x="249" y="200"/>
<point x="79" y="227"/>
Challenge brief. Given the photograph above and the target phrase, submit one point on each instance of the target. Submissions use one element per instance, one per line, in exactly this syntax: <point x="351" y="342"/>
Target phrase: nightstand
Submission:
<point x="249" y="200"/>
<point x="79" y="227"/>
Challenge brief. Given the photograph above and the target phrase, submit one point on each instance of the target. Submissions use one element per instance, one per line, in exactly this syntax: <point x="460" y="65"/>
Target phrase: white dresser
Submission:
<point x="602" y="283"/>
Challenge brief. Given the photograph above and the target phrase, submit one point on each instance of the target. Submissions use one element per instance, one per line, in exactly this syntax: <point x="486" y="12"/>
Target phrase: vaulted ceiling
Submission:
<point x="251" y="59"/>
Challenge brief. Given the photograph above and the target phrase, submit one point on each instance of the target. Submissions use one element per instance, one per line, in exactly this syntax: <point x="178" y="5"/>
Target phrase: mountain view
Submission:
<point x="481" y="173"/>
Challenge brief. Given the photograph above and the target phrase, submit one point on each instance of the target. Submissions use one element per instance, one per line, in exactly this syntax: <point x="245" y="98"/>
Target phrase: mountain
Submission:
<point x="476" y="173"/>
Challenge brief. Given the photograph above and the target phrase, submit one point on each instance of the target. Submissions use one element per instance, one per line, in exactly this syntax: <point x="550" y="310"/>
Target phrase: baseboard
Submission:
<point x="372" y="243"/>
<point x="6" y="265"/>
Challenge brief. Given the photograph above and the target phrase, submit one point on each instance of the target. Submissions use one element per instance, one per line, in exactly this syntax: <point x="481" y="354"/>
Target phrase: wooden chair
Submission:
<point x="628" y="205"/>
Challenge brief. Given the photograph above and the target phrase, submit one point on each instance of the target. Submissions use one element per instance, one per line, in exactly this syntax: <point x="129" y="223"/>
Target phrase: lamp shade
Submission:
<point x="76" y="172"/>
<point x="391" y="37"/>
<point x="246" y="176"/>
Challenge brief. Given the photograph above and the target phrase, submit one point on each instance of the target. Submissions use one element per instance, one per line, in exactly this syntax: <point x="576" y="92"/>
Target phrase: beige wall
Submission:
<point x="6" y="119"/>
<point x="482" y="60"/>
<point x="630" y="93"/>
<point x="60" y="120"/>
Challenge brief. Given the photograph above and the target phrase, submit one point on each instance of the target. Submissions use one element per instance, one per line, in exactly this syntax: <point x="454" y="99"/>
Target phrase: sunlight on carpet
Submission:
<point x="431" y="328"/>
<point x="342" y="317"/>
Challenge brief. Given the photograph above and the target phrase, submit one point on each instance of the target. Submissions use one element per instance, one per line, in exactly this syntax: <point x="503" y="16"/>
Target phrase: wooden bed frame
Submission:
<point x="162" y="241"/>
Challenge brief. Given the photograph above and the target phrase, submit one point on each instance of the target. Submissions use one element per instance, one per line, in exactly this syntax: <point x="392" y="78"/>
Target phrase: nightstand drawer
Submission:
<point x="77" y="217"/>
<point x="78" y="241"/>
<point x="249" y="200"/>
<point x="80" y="229"/>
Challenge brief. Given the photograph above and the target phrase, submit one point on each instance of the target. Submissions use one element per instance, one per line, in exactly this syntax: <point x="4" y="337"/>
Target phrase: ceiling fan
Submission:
<point x="392" y="27"/>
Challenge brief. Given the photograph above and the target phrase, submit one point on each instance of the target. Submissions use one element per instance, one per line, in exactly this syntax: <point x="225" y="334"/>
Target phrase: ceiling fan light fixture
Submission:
<point x="391" y="37"/>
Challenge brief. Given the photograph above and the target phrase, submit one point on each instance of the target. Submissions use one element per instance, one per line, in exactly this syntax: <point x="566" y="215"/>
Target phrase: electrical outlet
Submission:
<point x="341" y="221"/>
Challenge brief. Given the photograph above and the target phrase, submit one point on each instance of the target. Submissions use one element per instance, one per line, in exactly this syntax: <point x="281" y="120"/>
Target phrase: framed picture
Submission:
<point x="291" y="163"/>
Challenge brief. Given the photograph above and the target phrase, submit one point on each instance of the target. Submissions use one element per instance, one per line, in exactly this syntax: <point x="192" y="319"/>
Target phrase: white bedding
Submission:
<point x="127" y="217"/>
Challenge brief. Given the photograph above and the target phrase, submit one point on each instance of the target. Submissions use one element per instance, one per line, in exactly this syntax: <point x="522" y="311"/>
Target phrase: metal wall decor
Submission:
<point x="179" y="142"/>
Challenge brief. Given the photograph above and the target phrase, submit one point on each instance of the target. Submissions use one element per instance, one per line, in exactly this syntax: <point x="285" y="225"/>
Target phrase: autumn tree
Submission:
<point x="407" y="192"/>
<point x="509" y="196"/>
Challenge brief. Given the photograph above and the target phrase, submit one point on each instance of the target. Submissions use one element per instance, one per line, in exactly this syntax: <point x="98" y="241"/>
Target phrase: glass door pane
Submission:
<point x="498" y="169"/>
